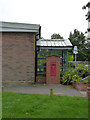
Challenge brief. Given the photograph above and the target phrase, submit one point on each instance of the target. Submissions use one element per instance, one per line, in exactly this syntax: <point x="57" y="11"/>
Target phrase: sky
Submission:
<point x="54" y="16"/>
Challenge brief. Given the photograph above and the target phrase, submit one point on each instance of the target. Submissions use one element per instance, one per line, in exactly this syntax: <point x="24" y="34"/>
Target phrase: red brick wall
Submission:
<point x="41" y="79"/>
<point x="53" y="79"/>
<point x="18" y="55"/>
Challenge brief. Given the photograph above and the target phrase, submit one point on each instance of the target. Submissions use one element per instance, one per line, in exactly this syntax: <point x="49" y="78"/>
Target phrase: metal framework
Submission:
<point x="48" y="47"/>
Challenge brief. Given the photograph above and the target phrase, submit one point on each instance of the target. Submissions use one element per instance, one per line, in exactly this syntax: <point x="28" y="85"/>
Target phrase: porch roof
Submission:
<point x="54" y="44"/>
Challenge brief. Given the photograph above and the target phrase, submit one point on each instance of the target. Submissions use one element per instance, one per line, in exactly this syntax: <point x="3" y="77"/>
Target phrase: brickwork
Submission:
<point x="53" y="79"/>
<point x="41" y="79"/>
<point x="18" y="55"/>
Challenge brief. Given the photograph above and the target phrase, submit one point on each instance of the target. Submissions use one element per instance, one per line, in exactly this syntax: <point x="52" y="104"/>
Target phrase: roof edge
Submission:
<point x="15" y="26"/>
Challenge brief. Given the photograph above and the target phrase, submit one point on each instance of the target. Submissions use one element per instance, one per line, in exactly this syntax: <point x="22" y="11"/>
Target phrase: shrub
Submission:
<point x="72" y="65"/>
<point x="73" y="75"/>
<point x="67" y="77"/>
<point x="76" y="78"/>
<point x="87" y="80"/>
<point x="82" y="71"/>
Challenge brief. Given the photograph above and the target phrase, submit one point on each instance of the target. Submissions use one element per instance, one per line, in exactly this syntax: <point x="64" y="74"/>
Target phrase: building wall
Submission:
<point x="18" y="57"/>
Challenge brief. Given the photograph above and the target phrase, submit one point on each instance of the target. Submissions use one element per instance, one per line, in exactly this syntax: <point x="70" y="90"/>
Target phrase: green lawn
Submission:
<point x="20" y="105"/>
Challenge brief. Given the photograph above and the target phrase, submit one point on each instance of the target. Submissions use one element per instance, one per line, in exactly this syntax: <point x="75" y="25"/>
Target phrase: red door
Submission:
<point x="53" y="69"/>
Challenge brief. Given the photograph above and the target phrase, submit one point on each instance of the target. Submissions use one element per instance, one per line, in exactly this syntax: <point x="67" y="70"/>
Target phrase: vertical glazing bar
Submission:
<point x="66" y="59"/>
<point x="62" y="60"/>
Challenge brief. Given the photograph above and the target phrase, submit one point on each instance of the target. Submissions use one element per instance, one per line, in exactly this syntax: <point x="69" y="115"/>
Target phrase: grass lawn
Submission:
<point x="20" y="105"/>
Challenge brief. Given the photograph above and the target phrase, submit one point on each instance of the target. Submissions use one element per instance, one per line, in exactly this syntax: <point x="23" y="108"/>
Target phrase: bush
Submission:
<point x="73" y="75"/>
<point x="76" y="78"/>
<point x="82" y="71"/>
<point x="86" y="80"/>
<point x="72" y="65"/>
<point x="67" y="77"/>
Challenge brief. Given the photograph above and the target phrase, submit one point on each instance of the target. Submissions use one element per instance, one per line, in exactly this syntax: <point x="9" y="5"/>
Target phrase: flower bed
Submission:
<point x="79" y="77"/>
<point x="80" y="86"/>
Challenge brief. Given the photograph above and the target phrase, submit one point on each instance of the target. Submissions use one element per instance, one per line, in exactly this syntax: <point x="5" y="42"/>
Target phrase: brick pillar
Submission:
<point x="53" y="70"/>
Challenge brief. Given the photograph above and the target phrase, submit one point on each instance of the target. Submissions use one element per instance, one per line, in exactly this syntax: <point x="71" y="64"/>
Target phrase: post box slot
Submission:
<point x="53" y="69"/>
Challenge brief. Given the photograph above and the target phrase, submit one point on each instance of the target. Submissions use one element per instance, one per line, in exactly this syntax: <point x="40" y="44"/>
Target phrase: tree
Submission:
<point x="88" y="14"/>
<point x="88" y="30"/>
<point x="78" y="39"/>
<point x="56" y="36"/>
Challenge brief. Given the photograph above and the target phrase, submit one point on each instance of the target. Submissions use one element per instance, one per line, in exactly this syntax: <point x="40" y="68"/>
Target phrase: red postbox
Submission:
<point x="53" y="69"/>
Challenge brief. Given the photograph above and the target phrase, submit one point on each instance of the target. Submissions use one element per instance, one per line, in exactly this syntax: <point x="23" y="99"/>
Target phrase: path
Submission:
<point x="45" y="89"/>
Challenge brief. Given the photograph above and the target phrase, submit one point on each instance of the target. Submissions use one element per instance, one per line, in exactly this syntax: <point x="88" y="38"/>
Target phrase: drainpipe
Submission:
<point x="39" y="34"/>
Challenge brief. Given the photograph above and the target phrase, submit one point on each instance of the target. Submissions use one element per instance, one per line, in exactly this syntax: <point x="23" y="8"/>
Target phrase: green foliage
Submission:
<point x="78" y="39"/>
<point x="67" y="77"/>
<point x="41" y="63"/>
<point x="72" y="65"/>
<point x="44" y="53"/>
<point x="82" y="71"/>
<point x="73" y="75"/>
<point x="86" y="80"/>
<point x="87" y="18"/>
<point x="70" y="56"/>
<point x="56" y="36"/>
<point x="87" y="5"/>
<point x="88" y="14"/>
<point x="88" y="29"/>
<point x="76" y="78"/>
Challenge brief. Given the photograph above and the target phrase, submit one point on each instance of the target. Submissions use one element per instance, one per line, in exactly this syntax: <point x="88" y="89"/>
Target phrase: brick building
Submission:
<point x="18" y="51"/>
<point x="21" y="44"/>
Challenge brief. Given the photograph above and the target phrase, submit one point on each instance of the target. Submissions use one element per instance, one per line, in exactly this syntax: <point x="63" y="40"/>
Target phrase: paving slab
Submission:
<point x="58" y="89"/>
